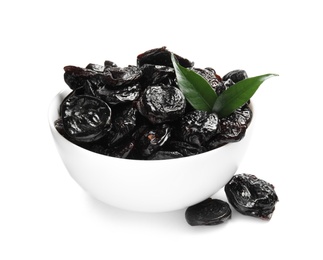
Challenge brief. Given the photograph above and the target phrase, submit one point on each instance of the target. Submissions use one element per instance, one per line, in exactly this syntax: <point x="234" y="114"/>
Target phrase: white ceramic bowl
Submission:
<point x="148" y="186"/>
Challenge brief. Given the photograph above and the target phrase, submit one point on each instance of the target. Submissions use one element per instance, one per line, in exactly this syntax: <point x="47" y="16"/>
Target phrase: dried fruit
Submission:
<point x="142" y="112"/>
<point x="232" y="128"/>
<point x="198" y="127"/>
<point x="161" y="103"/>
<point x="251" y="196"/>
<point x="85" y="118"/>
<point x="208" y="212"/>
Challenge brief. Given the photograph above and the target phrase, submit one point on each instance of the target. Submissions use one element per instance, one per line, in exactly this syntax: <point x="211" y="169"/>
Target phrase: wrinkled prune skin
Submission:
<point x="124" y="121"/>
<point x="208" y="212"/>
<point x="251" y="196"/>
<point x="185" y="148"/>
<point x="161" y="56"/>
<point x="151" y="139"/>
<point x="123" y="150"/>
<point x="198" y="127"/>
<point x="211" y="77"/>
<point x="95" y="67"/>
<point x="157" y="74"/>
<point x="232" y="128"/>
<point x="161" y="103"/>
<point x="235" y="75"/>
<point x="123" y="76"/>
<point x="165" y="155"/>
<point x="114" y="96"/>
<point x="85" y="118"/>
<point x="76" y="77"/>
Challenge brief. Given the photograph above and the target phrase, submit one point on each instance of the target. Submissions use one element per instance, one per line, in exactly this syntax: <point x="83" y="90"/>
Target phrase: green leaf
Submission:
<point x="195" y="88"/>
<point x="238" y="94"/>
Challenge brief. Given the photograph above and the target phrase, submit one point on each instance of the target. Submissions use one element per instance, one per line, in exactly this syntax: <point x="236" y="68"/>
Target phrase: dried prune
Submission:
<point x="161" y="56"/>
<point x="117" y="76"/>
<point x="85" y="118"/>
<point x="123" y="123"/>
<point x="76" y="77"/>
<point x="161" y="103"/>
<point x="184" y="148"/>
<point x="208" y="212"/>
<point x="211" y="77"/>
<point x="122" y="151"/>
<point x="156" y="74"/>
<point x="251" y="196"/>
<point x="198" y="127"/>
<point x="235" y="75"/>
<point x="164" y="155"/>
<point x="232" y="128"/>
<point x="151" y="139"/>
<point x="119" y="95"/>
<point x="95" y="67"/>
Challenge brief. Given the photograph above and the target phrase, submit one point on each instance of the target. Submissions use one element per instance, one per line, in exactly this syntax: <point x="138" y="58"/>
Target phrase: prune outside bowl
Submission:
<point x="148" y="186"/>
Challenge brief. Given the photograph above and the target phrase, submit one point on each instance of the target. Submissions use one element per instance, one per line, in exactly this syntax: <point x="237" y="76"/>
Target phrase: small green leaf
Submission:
<point x="238" y="94"/>
<point x="195" y="88"/>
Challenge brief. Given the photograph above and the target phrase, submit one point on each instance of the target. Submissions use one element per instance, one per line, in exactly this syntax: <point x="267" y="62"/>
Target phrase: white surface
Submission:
<point x="46" y="215"/>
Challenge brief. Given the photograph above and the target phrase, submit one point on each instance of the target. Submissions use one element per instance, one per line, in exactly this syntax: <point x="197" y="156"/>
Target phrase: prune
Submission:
<point x="117" y="76"/>
<point x="108" y="64"/>
<point x="156" y="74"/>
<point x="76" y="77"/>
<point x="119" y="95"/>
<point x="208" y="212"/>
<point x="151" y="139"/>
<point x="232" y="128"/>
<point x="161" y="103"/>
<point x="122" y="151"/>
<point x="95" y="67"/>
<point x="161" y="56"/>
<point x="123" y="123"/>
<point x="198" y="127"/>
<point x="251" y="196"/>
<point x="165" y="155"/>
<point x="186" y="149"/>
<point x="235" y="75"/>
<point x="211" y="77"/>
<point x="85" y="118"/>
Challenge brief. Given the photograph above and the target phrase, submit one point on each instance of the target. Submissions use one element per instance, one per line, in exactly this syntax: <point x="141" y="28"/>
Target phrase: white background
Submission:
<point x="44" y="214"/>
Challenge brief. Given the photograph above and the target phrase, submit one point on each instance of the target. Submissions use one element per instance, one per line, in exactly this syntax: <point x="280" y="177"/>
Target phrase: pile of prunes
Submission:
<point x="139" y="112"/>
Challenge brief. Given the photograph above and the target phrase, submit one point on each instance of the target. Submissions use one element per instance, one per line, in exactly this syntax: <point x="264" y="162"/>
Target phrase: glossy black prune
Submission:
<point x="208" y="212"/>
<point x="85" y="118"/>
<point x="122" y="76"/>
<point x="76" y="77"/>
<point x="198" y="127"/>
<point x="232" y="128"/>
<point x="124" y="121"/>
<point x="123" y="94"/>
<point x="161" y="103"/>
<point x="151" y="139"/>
<point x="235" y="75"/>
<point x="211" y="77"/>
<point x="165" y="155"/>
<point x="185" y="148"/>
<point x="161" y="56"/>
<point x="251" y="196"/>
<point x="124" y="150"/>
<point x="156" y="74"/>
